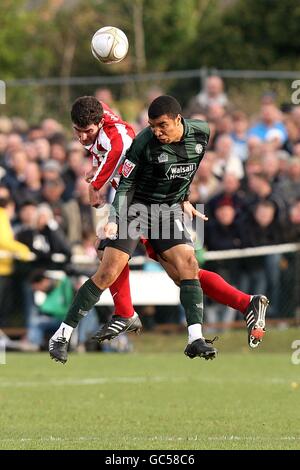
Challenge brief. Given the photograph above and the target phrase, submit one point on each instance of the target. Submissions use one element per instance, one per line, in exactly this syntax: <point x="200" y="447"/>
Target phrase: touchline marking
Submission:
<point x="153" y="438"/>
<point x="143" y="379"/>
<point x="92" y="381"/>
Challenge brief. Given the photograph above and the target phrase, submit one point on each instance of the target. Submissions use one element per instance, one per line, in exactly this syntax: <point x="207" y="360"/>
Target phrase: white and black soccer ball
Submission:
<point x="109" y="45"/>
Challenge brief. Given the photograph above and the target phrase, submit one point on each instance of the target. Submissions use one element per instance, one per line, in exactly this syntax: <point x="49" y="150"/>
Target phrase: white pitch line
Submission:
<point x="92" y="381"/>
<point x="144" y="379"/>
<point x="154" y="438"/>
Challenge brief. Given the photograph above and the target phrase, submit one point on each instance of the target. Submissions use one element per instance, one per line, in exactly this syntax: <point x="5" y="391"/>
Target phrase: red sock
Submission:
<point x="215" y="287"/>
<point x="120" y="291"/>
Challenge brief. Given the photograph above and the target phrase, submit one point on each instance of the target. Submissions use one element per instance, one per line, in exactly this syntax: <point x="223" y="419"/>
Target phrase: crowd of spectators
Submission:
<point x="249" y="182"/>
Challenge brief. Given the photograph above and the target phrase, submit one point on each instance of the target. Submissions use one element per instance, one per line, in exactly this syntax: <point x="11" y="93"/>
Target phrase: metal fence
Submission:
<point x="151" y="287"/>
<point x="53" y="95"/>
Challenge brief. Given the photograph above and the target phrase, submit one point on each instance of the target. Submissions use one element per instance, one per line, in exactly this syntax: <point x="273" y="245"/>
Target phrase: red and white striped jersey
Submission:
<point x="109" y="149"/>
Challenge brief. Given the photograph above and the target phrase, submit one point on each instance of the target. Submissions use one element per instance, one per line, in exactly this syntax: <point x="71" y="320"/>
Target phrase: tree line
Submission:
<point x="51" y="38"/>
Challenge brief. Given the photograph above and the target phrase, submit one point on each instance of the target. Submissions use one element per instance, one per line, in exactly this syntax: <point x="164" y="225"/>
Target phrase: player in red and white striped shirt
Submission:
<point x="108" y="151"/>
<point x="107" y="138"/>
<point x="107" y="141"/>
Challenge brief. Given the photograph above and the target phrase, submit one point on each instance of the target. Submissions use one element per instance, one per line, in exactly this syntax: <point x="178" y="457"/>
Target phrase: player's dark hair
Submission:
<point x="85" y="111"/>
<point x="164" y="104"/>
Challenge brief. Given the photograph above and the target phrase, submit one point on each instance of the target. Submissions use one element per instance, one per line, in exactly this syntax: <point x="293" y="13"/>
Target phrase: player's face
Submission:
<point x="167" y="129"/>
<point x="87" y="135"/>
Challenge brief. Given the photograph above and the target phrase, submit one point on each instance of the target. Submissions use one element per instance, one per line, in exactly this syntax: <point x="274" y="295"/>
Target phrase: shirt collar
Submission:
<point x="186" y="128"/>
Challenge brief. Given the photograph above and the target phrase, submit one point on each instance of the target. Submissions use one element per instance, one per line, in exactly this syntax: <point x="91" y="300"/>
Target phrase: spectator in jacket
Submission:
<point x="9" y="249"/>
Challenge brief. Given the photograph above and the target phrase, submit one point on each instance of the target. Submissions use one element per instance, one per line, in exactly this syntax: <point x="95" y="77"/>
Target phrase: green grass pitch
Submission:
<point x="155" y="398"/>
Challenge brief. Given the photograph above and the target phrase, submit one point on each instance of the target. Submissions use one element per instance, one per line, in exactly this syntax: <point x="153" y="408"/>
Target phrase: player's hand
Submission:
<point x="89" y="175"/>
<point x="111" y="230"/>
<point x="191" y="212"/>
<point x="96" y="200"/>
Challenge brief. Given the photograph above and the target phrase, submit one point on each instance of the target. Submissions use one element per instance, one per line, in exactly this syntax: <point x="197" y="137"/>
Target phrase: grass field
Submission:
<point x="155" y="398"/>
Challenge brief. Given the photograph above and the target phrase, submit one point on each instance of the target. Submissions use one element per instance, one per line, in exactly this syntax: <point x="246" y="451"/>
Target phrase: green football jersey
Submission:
<point x="156" y="173"/>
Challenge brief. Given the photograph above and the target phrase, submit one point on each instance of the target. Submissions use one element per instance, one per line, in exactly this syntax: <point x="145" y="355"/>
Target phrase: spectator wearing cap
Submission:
<point x="51" y="168"/>
<point x="26" y="215"/>
<point x="53" y="299"/>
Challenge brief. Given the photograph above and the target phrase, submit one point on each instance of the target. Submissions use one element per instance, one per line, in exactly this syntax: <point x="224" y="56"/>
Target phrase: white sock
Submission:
<point x="64" y="330"/>
<point x="195" y="332"/>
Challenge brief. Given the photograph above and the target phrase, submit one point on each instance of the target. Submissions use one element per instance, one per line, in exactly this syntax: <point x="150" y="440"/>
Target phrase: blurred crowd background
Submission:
<point x="249" y="180"/>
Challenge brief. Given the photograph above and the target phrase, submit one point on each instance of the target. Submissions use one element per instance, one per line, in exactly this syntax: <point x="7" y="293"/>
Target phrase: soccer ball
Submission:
<point x="109" y="45"/>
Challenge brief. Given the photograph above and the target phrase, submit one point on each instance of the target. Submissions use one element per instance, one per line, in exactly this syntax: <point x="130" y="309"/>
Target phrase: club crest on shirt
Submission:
<point x="163" y="157"/>
<point x="128" y="166"/>
<point x="198" y="148"/>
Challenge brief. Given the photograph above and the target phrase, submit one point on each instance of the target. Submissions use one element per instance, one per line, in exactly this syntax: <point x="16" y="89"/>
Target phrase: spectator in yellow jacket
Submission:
<point x="9" y="249"/>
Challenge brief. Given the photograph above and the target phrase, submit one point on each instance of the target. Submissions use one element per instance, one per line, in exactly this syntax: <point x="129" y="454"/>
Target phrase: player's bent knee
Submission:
<point x="105" y="279"/>
<point x="189" y="268"/>
<point x="193" y="263"/>
<point x="175" y="277"/>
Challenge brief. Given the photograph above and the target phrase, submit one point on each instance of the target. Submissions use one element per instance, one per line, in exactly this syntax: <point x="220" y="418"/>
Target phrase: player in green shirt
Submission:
<point x="160" y="169"/>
